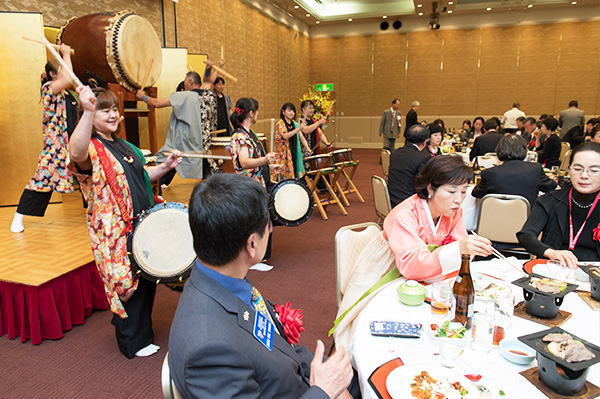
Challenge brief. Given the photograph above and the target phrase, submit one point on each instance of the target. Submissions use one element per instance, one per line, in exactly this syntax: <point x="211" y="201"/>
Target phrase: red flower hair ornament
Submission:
<point x="291" y="320"/>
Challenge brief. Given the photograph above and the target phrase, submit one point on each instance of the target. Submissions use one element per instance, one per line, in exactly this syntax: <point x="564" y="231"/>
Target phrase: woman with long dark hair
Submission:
<point x="287" y="144"/>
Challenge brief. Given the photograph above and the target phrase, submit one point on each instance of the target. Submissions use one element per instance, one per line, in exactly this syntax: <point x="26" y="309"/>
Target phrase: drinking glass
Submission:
<point x="449" y="354"/>
<point x="502" y="321"/>
<point x="441" y="296"/>
<point x="482" y="331"/>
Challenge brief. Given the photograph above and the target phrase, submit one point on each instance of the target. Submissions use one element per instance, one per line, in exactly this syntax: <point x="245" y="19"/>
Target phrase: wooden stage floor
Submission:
<point x="57" y="243"/>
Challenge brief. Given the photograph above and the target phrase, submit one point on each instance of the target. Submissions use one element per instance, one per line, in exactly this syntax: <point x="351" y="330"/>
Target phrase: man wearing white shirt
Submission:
<point x="509" y="120"/>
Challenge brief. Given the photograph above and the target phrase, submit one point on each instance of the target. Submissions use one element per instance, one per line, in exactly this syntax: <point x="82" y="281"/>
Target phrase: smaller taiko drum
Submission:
<point x="342" y="156"/>
<point x="318" y="162"/>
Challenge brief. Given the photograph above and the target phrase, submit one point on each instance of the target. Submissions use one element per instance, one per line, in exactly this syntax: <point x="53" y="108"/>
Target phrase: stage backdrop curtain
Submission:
<point x="45" y="311"/>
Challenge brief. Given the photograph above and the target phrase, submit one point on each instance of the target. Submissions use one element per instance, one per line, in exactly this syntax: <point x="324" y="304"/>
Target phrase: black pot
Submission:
<point x="594" y="282"/>
<point x="563" y="380"/>
<point x="540" y="305"/>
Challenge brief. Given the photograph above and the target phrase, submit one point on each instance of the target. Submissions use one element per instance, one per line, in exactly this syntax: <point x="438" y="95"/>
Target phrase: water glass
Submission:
<point x="441" y="298"/>
<point x="449" y="354"/>
<point x="505" y="300"/>
<point x="502" y="322"/>
<point x="482" y="331"/>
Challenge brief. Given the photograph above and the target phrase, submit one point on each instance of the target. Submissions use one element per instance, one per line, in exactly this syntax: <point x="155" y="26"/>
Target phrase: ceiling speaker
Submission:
<point x="397" y="25"/>
<point x="384" y="25"/>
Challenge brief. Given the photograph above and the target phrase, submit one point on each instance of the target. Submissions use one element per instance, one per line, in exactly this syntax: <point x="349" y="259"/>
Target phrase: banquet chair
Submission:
<point x="500" y="218"/>
<point x="564" y="148"/>
<point x="488" y="160"/>
<point x="564" y="165"/>
<point x="348" y="245"/>
<point x="385" y="162"/>
<point x="381" y="198"/>
<point x="169" y="389"/>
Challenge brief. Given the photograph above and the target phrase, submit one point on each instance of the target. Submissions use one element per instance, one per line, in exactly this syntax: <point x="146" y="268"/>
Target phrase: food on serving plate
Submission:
<point x="570" y="350"/>
<point x="427" y="387"/>
<point x="557" y="337"/>
<point x="595" y="271"/>
<point x="445" y="331"/>
<point x="490" y="291"/>
<point x="548" y="285"/>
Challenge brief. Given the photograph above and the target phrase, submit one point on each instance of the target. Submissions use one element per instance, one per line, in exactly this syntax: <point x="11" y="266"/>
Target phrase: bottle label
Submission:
<point x="458" y="279"/>
<point x="470" y="310"/>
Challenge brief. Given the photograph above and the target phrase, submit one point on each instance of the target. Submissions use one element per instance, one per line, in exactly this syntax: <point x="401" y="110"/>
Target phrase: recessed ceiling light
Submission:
<point x="450" y="2"/>
<point x="530" y="6"/>
<point x="573" y="2"/>
<point x="296" y="7"/>
<point x="449" y="11"/>
<point x="318" y="22"/>
<point x="385" y="16"/>
<point x="419" y="5"/>
<point x="420" y="13"/>
<point x="349" y="19"/>
<point x="489" y="9"/>
<point x="308" y="15"/>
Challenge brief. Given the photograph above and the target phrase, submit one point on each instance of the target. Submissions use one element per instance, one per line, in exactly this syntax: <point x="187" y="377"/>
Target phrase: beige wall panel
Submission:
<point x="531" y="62"/>
<point x="462" y="41"/>
<point x="21" y="121"/>
<point x="530" y="38"/>
<point x="351" y="129"/>
<point x="460" y="65"/>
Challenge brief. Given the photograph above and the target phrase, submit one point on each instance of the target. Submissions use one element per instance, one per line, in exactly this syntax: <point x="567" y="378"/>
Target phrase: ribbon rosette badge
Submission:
<point x="291" y="320"/>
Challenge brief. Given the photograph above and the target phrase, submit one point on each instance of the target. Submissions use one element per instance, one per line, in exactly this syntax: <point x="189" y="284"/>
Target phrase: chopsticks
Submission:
<point x="499" y="255"/>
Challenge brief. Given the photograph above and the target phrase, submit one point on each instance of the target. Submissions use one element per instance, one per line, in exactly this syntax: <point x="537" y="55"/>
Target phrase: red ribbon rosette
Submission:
<point x="597" y="233"/>
<point x="291" y="320"/>
<point x="447" y="240"/>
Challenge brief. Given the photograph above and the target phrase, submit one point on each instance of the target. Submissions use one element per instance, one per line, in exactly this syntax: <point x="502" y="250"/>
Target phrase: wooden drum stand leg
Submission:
<point x="333" y="199"/>
<point x="312" y="186"/>
<point x="350" y="188"/>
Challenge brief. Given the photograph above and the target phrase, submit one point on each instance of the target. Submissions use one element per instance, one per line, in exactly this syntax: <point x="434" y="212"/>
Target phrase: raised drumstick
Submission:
<point x="198" y="155"/>
<point x="218" y="131"/>
<point x="147" y="75"/>
<point x="62" y="62"/>
<point x="222" y="72"/>
<point x="56" y="46"/>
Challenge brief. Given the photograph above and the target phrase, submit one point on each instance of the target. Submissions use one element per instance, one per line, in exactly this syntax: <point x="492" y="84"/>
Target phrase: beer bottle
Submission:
<point x="464" y="293"/>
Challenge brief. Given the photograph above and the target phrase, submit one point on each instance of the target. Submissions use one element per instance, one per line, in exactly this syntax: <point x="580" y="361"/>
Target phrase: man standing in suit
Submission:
<point x="571" y="117"/>
<point x="226" y="340"/>
<point x="390" y="124"/>
<point x="406" y="162"/>
<point x="411" y="116"/>
<point x="488" y="141"/>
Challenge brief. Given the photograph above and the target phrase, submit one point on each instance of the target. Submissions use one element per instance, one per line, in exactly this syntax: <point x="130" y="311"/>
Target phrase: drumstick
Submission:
<point x="147" y="75"/>
<point x="319" y="143"/>
<point x="190" y="67"/>
<point x="194" y="155"/>
<point x="222" y="52"/>
<point x="218" y="131"/>
<point x="329" y="110"/>
<point x="56" y="46"/>
<point x="62" y="62"/>
<point x="222" y="72"/>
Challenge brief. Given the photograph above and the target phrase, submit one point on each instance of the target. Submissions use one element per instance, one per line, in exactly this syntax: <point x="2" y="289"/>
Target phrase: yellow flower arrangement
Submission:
<point x="323" y="102"/>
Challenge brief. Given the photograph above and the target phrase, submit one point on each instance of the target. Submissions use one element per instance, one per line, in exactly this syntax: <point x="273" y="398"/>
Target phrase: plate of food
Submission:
<point x="551" y="270"/>
<point x="429" y="381"/>
<point x="487" y="287"/>
<point x="449" y="332"/>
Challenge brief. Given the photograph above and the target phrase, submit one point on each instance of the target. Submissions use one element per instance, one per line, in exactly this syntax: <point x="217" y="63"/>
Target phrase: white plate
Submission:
<point x="563" y="274"/>
<point x="399" y="380"/>
<point x="456" y="341"/>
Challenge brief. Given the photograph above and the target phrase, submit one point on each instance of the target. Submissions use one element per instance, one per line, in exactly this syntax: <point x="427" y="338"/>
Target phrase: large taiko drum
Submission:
<point x="161" y="246"/>
<point x="117" y="48"/>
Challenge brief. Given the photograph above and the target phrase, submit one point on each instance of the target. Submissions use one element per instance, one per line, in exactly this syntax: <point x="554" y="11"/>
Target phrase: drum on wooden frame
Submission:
<point x="161" y="246"/>
<point x="342" y="156"/>
<point x="116" y="47"/>
<point x="220" y="141"/>
<point x="290" y="203"/>
<point x="318" y="162"/>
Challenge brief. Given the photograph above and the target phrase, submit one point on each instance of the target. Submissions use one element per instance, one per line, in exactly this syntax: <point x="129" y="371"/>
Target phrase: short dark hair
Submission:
<point x="306" y="103"/>
<point x="244" y="105"/>
<point x="219" y="80"/>
<point x="286" y="106"/>
<point x="195" y="77"/>
<point x="224" y="211"/>
<point x="435" y="128"/>
<point x="593" y="121"/>
<point x="441" y="123"/>
<point x="468" y="122"/>
<point x="416" y="134"/>
<point x="396" y="100"/>
<point x="181" y="86"/>
<point x="442" y="170"/>
<point x="511" y="147"/>
<point x="573" y="103"/>
<point x="521" y="119"/>
<point x="595" y="131"/>
<point x="550" y="123"/>
<point x="490" y="124"/>
<point x="585" y="146"/>
<point x="530" y="120"/>
<point x="516" y="105"/>
<point x="543" y="116"/>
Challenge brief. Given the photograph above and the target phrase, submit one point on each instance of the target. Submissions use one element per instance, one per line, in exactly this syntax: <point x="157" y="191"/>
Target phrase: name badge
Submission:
<point x="263" y="330"/>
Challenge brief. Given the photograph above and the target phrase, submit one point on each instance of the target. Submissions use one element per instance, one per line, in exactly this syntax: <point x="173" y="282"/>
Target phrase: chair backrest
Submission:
<point x="488" y="160"/>
<point x="564" y="165"/>
<point x="564" y="147"/>
<point x="381" y="197"/>
<point x="348" y="245"/>
<point x="169" y="389"/>
<point x="385" y="162"/>
<point x="502" y="216"/>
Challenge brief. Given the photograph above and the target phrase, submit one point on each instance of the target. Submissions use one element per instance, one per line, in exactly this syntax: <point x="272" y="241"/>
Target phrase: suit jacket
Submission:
<point x="570" y="118"/>
<point x="485" y="143"/>
<point x="388" y="126"/>
<point x="405" y="163"/>
<point x="411" y="119"/>
<point x="214" y="354"/>
<point x="550" y="155"/>
<point x="515" y="178"/>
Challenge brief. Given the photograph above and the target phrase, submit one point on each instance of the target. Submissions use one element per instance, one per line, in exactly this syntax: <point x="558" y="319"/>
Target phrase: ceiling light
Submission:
<point x="385" y="16"/>
<point x="296" y="7"/>
<point x="318" y="22"/>
<point x="420" y="13"/>
<point x="573" y="2"/>
<point x="308" y="15"/>
<point x="489" y="9"/>
<point x="530" y="6"/>
<point x="419" y="5"/>
<point x="449" y="11"/>
<point x="450" y="2"/>
<point x="349" y="19"/>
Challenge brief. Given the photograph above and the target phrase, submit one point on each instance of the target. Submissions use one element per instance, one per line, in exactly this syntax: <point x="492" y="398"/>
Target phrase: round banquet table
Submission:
<point x="368" y="352"/>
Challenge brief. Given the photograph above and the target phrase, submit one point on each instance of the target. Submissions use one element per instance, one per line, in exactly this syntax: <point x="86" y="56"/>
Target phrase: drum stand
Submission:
<point x="349" y="188"/>
<point x="330" y="198"/>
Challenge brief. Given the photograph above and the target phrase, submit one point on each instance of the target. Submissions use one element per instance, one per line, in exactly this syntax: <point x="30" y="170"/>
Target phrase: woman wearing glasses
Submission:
<point x="569" y="218"/>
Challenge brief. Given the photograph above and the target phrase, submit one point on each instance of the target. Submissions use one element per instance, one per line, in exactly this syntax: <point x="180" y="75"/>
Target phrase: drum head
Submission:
<point x="161" y="244"/>
<point x="291" y="203"/>
<point x="133" y="44"/>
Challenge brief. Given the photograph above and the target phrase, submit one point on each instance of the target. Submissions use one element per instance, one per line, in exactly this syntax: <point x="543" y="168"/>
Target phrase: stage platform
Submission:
<point x="48" y="278"/>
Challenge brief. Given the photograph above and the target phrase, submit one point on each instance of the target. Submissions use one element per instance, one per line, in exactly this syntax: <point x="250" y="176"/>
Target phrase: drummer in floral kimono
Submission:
<point x="116" y="184"/>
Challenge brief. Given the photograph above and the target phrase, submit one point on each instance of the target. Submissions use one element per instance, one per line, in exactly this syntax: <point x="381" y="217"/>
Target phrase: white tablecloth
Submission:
<point x="368" y="352"/>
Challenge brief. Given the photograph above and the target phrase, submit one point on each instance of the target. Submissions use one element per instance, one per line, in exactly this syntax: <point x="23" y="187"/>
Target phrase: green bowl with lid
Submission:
<point x="411" y="293"/>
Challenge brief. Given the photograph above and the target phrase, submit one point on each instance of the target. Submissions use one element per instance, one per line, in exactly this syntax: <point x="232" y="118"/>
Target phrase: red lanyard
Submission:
<point x="573" y="241"/>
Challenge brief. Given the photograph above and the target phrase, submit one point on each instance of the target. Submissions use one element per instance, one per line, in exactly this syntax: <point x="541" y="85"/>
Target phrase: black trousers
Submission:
<point x="34" y="203"/>
<point x="135" y="332"/>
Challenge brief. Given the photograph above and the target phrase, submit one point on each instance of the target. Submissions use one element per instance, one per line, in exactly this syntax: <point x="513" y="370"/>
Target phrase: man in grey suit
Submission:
<point x="390" y="124"/>
<point x="570" y="118"/>
<point x="227" y="341"/>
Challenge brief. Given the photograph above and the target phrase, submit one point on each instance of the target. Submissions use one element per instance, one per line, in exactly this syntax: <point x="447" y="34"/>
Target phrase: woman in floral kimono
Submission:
<point x="116" y="184"/>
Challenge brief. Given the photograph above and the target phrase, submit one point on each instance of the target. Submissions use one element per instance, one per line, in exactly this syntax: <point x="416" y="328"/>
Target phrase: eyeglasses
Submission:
<point x="577" y="170"/>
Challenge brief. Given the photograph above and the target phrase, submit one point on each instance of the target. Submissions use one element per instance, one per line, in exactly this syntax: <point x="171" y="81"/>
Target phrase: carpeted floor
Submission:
<point x="86" y="363"/>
